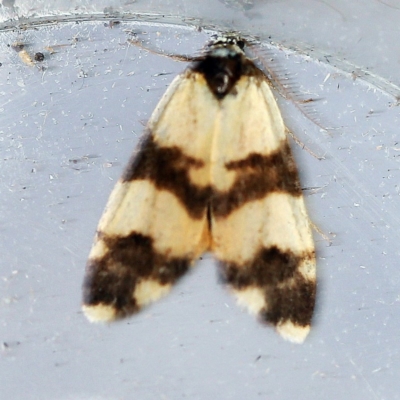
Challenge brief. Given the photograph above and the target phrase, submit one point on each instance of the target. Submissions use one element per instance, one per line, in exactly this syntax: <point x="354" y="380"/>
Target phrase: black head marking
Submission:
<point x="224" y="64"/>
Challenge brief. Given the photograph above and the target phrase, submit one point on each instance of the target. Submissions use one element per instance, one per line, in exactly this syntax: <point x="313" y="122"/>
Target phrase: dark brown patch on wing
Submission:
<point x="288" y="295"/>
<point x="222" y="72"/>
<point x="111" y="280"/>
<point x="293" y="303"/>
<point x="256" y="176"/>
<point x="168" y="168"/>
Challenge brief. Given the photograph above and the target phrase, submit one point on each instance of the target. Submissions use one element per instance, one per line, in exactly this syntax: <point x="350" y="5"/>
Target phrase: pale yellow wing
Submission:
<point x="155" y="223"/>
<point x="259" y="226"/>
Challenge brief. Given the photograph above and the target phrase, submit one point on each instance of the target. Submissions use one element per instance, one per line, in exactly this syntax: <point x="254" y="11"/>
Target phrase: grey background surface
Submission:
<point x="69" y="125"/>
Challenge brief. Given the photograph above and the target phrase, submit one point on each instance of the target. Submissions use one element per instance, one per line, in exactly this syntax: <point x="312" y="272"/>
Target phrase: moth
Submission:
<point x="214" y="172"/>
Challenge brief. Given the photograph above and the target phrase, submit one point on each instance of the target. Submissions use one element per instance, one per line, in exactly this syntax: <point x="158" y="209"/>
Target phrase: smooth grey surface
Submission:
<point x="65" y="135"/>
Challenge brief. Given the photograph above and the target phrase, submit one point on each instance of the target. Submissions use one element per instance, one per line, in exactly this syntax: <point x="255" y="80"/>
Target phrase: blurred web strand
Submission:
<point x="176" y="57"/>
<point x="302" y="145"/>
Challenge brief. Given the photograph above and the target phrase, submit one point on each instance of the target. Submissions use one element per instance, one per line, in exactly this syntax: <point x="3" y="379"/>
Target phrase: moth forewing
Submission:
<point x="214" y="172"/>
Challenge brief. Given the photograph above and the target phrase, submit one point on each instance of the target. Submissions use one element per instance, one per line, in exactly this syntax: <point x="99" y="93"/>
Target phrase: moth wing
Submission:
<point x="260" y="229"/>
<point x="155" y="223"/>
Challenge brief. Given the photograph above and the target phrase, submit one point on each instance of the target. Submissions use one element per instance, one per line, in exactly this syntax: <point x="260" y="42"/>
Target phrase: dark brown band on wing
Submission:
<point x="111" y="279"/>
<point x="168" y="168"/>
<point x="288" y="295"/>
<point x="256" y="176"/>
<point x="270" y="266"/>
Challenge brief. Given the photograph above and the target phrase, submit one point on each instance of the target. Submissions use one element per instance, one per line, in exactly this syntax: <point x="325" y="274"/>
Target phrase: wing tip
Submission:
<point x="99" y="313"/>
<point x="292" y="332"/>
<point x="254" y="300"/>
<point x="146" y="292"/>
